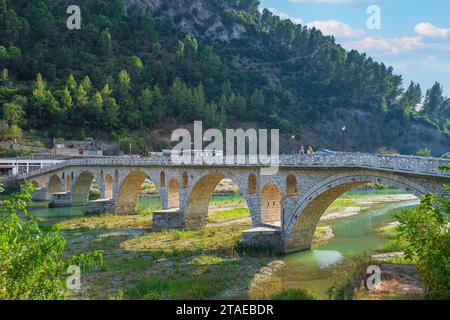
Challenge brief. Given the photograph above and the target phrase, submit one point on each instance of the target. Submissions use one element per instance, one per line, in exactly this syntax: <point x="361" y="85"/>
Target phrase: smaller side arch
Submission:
<point x="252" y="184"/>
<point x="270" y="203"/>
<point x="108" y="182"/>
<point x="291" y="186"/>
<point x="185" y="179"/>
<point x="173" y="194"/>
<point x="162" y="179"/>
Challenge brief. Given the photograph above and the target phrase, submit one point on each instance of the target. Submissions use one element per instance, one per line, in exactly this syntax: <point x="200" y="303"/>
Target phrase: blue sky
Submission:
<point x="414" y="37"/>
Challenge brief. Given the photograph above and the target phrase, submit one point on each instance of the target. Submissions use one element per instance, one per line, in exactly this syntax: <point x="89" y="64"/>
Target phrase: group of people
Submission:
<point x="309" y="151"/>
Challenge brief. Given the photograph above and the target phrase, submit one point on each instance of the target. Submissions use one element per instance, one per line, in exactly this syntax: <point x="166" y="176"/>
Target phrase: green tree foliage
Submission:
<point x="425" y="234"/>
<point x="277" y="74"/>
<point x="32" y="261"/>
<point x="424" y="152"/>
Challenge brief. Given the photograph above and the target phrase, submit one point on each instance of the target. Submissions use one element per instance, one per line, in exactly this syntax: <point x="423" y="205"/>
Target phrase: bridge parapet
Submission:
<point x="396" y="163"/>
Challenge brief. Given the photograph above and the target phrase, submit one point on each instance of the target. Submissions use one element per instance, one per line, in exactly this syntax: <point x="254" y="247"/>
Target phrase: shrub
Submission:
<point x="31" y="260"/>
<point x="424" y="152"/>
<point x="295" y="294"/>
<point x="425" y="234"/>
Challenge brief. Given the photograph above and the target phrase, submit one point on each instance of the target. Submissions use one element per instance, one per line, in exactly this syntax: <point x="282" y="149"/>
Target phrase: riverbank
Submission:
<point x="353" y="204"/>
<point x="195" y="264"/>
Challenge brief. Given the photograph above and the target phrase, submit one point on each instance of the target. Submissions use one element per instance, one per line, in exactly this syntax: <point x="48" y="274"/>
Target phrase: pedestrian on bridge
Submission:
<point x="302" y="150"/>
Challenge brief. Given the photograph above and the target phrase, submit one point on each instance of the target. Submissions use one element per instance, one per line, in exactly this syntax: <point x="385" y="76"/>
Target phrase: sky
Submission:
<point x="411" y="36"/>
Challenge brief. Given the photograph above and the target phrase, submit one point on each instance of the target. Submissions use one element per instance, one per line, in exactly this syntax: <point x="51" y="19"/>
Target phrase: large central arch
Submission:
<point x="128" y="192"/>
<point x="309" y="209"/>
<point x="196" y="207"/>
<point x="80" y="193"/>
<point x="196" y="211"/>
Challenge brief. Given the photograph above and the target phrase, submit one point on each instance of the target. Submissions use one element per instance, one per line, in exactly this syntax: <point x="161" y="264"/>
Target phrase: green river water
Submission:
<point x="318" y="269"/>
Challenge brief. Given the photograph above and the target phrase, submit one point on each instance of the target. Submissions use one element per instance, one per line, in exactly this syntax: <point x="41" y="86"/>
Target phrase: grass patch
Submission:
<point x="295" y="294"/>
<point x="194" y="287"/>
<point x="183" y="242"/>
<point x="393" y="245"/>
<point x="106" y="221"/>
<point x="228" y="214"/>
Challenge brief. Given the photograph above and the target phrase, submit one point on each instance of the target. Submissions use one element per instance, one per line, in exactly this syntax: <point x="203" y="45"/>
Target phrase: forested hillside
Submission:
<point x="138" y="68"/>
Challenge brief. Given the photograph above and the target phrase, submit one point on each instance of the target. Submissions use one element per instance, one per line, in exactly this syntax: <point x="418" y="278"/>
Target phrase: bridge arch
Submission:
<point x="162" y="178"/>
<point x="108" y="185"/>
<point x="81" y="188"/>
<point x="200" y="192"/>
<point x="173" y="193"/>
<point x="301" y="225"/>
<point x="185" y="179"/>
<point x="252" y="184"/>
<point x="35" y="184"/>
<point x="291" y="186"/>
<point x="270" y="203"/>
<point x="128" y="190"/>
<point x="54" y="185"/>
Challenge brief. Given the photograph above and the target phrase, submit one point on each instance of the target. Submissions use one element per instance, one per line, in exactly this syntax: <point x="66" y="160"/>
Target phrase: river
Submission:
<point x="317" y="269"/>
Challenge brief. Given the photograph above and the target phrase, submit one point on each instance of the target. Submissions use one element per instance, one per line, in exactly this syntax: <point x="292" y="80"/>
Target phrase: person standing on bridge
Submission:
<point x="310" y="151"/>
<point x="302" y="150"/>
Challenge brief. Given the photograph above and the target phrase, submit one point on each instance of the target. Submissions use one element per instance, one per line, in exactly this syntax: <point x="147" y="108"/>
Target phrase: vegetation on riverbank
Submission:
<point x="32" y="260"/>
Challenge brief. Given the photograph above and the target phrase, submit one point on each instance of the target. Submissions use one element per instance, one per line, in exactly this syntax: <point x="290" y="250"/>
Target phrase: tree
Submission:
<point x="66" y="101"/>
<point x="105" y="43"/>
<point x="110" y="108"/>
<point x="13" y="113"/>
<point x="32" y="260"/>
<point x="43" y="104"/>
<point x="433" y="100"/>
<point x="424" y="152"/>
<point x="156" y="49"/>
<point x="71" y="83"/>
<point x="424" y="232"/>
<point x="14" y="132"/>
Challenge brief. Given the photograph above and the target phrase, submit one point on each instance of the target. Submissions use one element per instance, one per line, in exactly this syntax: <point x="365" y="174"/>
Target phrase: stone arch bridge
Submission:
<point x="284" y="208"/>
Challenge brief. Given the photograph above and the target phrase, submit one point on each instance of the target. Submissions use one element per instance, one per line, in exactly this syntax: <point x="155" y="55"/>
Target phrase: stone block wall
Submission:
<point x="262" y="237"/>
<point x="167" y="219"/>
<point x="101" y="206"/>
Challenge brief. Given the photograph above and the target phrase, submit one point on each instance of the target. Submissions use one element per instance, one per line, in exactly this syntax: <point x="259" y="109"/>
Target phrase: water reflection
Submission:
<point x="325" y="258"/>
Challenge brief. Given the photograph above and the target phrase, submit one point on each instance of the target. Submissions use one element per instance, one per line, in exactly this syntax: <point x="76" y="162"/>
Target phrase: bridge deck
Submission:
<point x="395" y="163"/>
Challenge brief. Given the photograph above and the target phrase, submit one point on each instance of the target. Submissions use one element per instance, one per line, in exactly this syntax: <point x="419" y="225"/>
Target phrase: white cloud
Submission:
<point x="392" y="45"/>
<point x="285" y="16"/>
<point x="344" y="2"/>
<point x="336" y="28"/>
<point x="426" y="29"/>
<point x="324" y="1"/>
<point x="329" y="27"/>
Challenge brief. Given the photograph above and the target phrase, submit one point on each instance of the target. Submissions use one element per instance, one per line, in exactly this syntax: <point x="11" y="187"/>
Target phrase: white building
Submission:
<point x="14" y="166"/>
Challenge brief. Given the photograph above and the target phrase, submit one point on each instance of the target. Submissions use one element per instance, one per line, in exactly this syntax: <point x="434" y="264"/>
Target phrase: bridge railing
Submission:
<point x="399" y="163"/>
